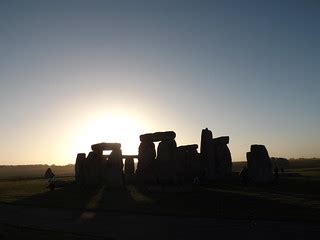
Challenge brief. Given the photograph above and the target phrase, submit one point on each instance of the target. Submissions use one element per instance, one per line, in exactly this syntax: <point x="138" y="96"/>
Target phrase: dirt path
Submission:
<point x="134" y="226"/>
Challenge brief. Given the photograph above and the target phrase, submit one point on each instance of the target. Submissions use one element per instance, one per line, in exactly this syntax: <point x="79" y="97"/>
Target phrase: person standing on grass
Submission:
<point x="51" y="179"/>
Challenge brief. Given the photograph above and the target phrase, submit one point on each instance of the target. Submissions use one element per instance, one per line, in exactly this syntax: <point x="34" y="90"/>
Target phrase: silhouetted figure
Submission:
<point x="276" y="173"/>
<point x="244" y="176"/>
<point x="48" y="174"/>
<point x="51" y="179"/>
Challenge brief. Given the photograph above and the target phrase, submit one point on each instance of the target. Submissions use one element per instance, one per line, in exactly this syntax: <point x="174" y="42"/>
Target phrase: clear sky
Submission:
<point x="73" y="73"/>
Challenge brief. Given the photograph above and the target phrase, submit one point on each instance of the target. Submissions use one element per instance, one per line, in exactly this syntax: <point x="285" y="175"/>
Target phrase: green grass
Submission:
<point x="13" y="190"/>
<point x="292" y="198"/>
<point x="312" y="172"/>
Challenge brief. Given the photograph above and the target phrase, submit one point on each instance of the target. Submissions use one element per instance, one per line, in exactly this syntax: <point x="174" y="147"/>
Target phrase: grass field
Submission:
<point x="33" y="171"/>
<point x="295" y="197"/>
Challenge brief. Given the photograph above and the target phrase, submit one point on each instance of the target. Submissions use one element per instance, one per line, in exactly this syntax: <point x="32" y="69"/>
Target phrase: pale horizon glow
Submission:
<point x="110" y="127"/>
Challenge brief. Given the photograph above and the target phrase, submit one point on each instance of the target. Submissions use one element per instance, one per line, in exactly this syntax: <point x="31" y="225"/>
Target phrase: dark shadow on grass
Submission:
<point x="74" y="196"/>
<point x="229" y="199"/>
<point x="71" y="196"/>
<point x="220" y="199"/>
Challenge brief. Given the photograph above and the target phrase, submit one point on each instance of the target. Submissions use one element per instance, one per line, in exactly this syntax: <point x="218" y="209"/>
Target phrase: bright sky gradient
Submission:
<point x="73" y="73"/>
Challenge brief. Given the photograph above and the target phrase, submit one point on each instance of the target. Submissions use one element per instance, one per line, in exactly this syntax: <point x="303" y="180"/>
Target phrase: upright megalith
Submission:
<point x="259" y="164"/>
<point x="223" y="160"/>
<point x="166" y="161"/>
<point x="115" y="159"/>
<point x="146" y="162"/>
<point x="187" y="163"/>
<point x="193" y="163"/>
<point x="114" y="168"/>
<point x="128" y="169"/>
<point x="216" y="160"/>
<point x="208" y="165"/>
<point x="79" y="167"/>
<point x="129" y="166"/>
<point x="206" y="137"/>
<point x="94" y="164"/>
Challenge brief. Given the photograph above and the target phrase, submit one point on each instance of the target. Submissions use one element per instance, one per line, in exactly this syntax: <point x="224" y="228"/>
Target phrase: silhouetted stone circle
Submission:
<point x="169" y="164"/>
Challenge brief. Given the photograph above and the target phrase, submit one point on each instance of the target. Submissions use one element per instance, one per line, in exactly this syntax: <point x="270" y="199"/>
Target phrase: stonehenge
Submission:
<point x="259" y="164"/>
<point x="168" y="163"/>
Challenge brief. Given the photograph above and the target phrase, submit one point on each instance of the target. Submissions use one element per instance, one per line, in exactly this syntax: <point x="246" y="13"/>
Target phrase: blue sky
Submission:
<point x="247" y="69"/>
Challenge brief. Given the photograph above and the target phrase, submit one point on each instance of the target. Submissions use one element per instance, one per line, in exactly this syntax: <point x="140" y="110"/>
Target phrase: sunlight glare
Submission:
<point x="114" y="127"/>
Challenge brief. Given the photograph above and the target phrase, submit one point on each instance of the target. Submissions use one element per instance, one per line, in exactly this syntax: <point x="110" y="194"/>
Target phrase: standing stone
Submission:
<point x="215" y="156"/>
<point x="206" y="137"/>
<point x="129" y="169"/>
<point x="181" y="164"/>
<point x="79" y="168"/>
<point x="129" y="166"/>
<point x="166" y="161"/>
<point x="94" y="168"/>
<point x="86" y="170"/>
<point x="223" y="160"/>
<point x="195" y="164"/>
<point x="187" y="163"/>
<point x="207" y="155"/>
<point x="115" y="166"/>
<point x="115" y="159"/>
<point x="259" y="164"/>
<point x="146" y="162"/>
<point x="211" y="167"/>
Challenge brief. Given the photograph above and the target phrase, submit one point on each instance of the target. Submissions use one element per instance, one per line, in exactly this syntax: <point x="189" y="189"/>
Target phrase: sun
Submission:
<point x="111" y="127"/>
